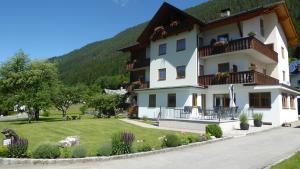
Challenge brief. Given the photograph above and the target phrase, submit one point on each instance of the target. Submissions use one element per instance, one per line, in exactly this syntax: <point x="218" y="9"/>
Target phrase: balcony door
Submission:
<point x="221" y="100"/>
<point x="223" y="67"/>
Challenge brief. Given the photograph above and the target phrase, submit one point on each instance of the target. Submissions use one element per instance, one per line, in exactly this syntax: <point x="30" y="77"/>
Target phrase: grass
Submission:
<point x="291" y="163"/>
<point x="92" y="132"/>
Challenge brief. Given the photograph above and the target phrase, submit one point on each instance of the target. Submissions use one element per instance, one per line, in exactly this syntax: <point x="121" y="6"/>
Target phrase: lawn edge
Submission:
<point x="281" y="160"/>
<point x="16" y="161"/>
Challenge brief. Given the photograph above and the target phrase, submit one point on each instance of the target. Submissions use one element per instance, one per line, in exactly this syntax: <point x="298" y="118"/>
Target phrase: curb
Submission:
<point x="15" y="161"/>
<point x="281" y="160"/>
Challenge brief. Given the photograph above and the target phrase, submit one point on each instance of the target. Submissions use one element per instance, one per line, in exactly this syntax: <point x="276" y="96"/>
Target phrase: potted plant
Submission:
<point x="244" y="125"/>
<point x="251" y="34"/>
<point x="257" y="119"/>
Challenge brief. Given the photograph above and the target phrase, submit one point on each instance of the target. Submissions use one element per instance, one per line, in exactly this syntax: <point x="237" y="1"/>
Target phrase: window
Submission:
<point x="283" y="75"/>
<point x="171" y="100"/>
<point x="180" y="72"/>
<point x="262" y="27"/>
<point x="223" y="67"/>
<point x="285" y="101"/>
<point x="180" y="45"/>
<point x="224" y="37"/>
<point x="282" y="52"/>
<point x="203" y="101"/>
<point x="152" y="100"/>
<point x="162" y="49"/>
<point x="161" y="74"/>
<point x="260" y="100"/>
<point x="194" y="100"/>
<point x="264" y="71"/>
<point x="221" y="100"/>
<point x="292" y="102"/>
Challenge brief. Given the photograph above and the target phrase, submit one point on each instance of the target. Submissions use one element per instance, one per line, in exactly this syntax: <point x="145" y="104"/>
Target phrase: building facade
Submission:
<point x="180" y="61"/>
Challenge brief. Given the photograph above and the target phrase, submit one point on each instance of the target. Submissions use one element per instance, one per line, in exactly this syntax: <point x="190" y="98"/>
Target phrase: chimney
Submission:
<point x="225" y="12"/>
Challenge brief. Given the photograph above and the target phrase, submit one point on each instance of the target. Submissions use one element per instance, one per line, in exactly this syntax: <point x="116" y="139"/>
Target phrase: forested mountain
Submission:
<point x="101" y="58"/>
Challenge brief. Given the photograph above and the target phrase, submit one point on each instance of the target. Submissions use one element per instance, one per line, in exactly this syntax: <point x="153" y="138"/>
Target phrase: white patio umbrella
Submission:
<point x="231" y="96"/>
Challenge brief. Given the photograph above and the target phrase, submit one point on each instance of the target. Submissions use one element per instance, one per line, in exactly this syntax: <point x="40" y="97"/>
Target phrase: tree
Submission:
<point x="28" y="83"/>
<point x="105" y="103"/>
<point x="64" y="96"/>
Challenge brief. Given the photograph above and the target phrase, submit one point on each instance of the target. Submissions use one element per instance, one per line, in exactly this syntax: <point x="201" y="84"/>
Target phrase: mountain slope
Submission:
<point x="101" y="58"/>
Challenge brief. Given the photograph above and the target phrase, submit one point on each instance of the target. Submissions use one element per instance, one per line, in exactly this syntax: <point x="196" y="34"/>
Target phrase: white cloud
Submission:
<point x="121" y="3"/>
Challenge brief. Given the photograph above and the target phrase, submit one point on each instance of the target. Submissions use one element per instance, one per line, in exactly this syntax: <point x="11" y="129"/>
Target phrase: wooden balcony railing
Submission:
<point x="135" y="64"/>
<point x="138" y="85"/>
<point x="246" y="77"/>
<point x="237" y="45"/>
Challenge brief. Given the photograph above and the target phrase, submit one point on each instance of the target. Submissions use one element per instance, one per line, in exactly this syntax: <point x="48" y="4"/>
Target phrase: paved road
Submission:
<point x="249" y="152"/>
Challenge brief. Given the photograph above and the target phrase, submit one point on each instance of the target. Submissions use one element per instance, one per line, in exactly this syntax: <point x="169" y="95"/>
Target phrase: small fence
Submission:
<point x="197" y="113"/>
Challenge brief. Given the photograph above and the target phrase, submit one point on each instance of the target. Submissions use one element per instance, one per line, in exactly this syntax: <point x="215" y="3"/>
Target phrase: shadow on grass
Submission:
<point x="25" y="121"/>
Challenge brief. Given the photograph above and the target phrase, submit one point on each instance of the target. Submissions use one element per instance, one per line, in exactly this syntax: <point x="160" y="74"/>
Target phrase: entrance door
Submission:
<point x="221" y="100"/>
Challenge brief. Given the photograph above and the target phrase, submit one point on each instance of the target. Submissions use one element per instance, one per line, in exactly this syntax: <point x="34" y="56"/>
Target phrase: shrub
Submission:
<point x="184" y="139"/>
<point x="171" y="140"/>
<point x="257" y="116"/>
<point x="243" y="119"/>
<point x="47" y="151"/>
<point x="214" y="130"/>
<point x="79" y="152"/>
<point x="193" y="138"/>
<point x="122" y="143"/>
<point x="104" y="150"/>
<point x="66" y="152"/>
<point x="204" y="137"/>
<point x="144" y="147"/>
<point x="3" y="151"/>
<point x="18" y="149"/>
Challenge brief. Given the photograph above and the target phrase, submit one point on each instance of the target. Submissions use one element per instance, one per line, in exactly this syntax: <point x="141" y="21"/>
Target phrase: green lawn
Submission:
<point x="92" y="132"/>
<point x="291" y="163"/>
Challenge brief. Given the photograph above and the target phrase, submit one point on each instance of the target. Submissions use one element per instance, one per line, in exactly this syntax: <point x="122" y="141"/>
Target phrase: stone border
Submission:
<point x="16" y="161"/>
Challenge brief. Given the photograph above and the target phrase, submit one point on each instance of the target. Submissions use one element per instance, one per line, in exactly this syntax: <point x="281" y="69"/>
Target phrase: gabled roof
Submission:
<point x="165" y="10"/>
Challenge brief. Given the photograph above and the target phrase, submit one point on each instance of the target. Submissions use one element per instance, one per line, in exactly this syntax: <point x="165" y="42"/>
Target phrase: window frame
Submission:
<point x="177" y="45"/>
<point x="283" y="76"/>
<point x="284" y="101"/>
<point x="282" y="53"/>
<point x="171" y="96"/>
<point x="258" y="96"/>
<point x="159" y="49"/>
<point x="159" y="77"/>
<point x="177" y="75"/>
<point x="152" y="103"/>
<point x="292" y="102"/>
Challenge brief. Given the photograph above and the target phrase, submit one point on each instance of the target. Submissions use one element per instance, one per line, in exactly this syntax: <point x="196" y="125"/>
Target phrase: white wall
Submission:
<point x="172" y="59"/>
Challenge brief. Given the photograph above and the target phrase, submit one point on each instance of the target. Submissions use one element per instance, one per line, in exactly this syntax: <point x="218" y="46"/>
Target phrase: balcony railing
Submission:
<point x="135" y="64"/>
<point x="238" y="45"/>
<point x="138" y="85"/>
<point x="245" y="77"/>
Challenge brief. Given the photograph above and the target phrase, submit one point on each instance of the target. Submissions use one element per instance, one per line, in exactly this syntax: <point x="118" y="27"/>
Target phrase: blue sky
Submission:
<point x="47" y="28"/>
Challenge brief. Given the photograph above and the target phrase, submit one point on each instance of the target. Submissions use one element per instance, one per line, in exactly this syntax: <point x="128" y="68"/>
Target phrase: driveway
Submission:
<point x="249" y="152"/>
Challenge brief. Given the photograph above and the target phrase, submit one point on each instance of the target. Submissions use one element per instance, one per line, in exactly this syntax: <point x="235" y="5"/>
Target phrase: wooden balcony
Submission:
<point x="239" y="45"/>
<point x="136" y="64"/>
<point x="246" y="77"/>
<point x="138" y="85"/>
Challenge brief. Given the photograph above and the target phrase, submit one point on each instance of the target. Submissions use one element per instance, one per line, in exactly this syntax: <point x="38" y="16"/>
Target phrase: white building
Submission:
<point x="183" y="67"/>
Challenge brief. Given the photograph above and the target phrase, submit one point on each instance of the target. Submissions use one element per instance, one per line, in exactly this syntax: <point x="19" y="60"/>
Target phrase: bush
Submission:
<point x="171" y="140"/>
<point x="79" y="152"/>
<point x="104" y="150"/>
<point x="243" y="119"/>
<point x="144" y="147"/>
<point x="47" y="151"/>
<point x="214" y="130"/>
<point x="3" y="151"/>
<point x="204" y="137"/>
<point x="122" y="143"/>
<point x="257" y="116"/>
<point x="66" y="152"/>
<point x="193" y="138"/>
<point x="18" y="149"/>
